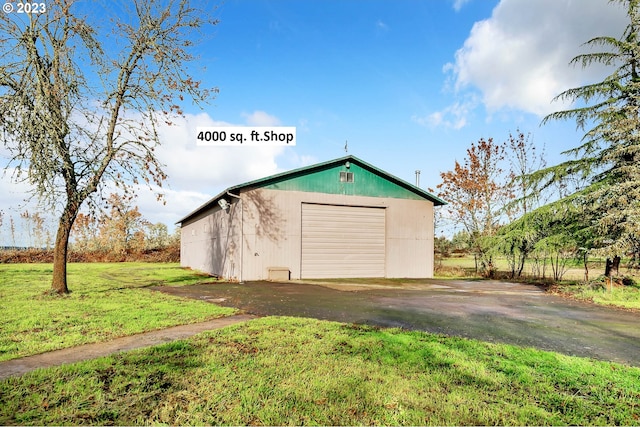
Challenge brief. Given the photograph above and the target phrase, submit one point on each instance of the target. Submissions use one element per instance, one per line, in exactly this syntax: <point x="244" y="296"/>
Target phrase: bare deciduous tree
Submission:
<point x="80" y="108"/>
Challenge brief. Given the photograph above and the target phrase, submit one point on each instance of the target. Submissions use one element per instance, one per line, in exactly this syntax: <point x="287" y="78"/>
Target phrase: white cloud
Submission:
<point x="303" y="125"/>
<point x="13" y="196"/>
<point x="195" y="173"/>
<point x="381" y="26"/>
<point x="455" y="116"/>
<point x="518" y="58"/>
<point x="178" y="204"/>
<point x="207" y="168"/>
<point x="14" y="200"/>
<point x="299" y="161"/>
<point x="457" y="4"/>
<point x="261" y="118"/>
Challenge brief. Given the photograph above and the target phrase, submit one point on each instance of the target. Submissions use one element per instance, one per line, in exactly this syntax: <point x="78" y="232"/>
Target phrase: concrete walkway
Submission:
<point x="23" y="365"/>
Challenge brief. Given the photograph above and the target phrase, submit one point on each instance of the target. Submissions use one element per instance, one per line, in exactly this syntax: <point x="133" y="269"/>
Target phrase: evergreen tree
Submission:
<point x="609" y="155"/>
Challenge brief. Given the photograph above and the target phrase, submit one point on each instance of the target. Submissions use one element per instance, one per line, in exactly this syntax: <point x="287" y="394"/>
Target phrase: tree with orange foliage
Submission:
<point x="478" y="191"/>
<point x="123" y="230"/>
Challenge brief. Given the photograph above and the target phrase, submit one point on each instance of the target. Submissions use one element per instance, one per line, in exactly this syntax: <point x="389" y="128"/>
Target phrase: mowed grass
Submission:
<point x="617" y="296"/>
<point x="106" y="301"/>
<point x="292" y="371"/>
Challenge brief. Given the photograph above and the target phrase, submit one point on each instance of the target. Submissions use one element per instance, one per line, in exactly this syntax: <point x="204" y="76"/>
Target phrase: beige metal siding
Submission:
<point x="265" y="227"/>
<point x="210" y="242"/>
<point x="342" y="241"/>
<point x="410" y="239"/>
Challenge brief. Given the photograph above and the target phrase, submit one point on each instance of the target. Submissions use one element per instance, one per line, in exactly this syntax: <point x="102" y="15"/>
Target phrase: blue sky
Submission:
<point x="410" y="84"/>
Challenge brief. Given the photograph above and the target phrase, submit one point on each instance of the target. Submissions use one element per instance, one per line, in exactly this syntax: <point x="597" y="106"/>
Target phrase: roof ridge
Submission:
<point x="351" y="158"/>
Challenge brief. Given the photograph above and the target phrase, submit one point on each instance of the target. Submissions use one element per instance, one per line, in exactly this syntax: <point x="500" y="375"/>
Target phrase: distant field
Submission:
<point x="596" y="290"/>
<point x="107" y="301"/>
<point x="574" y="269"/>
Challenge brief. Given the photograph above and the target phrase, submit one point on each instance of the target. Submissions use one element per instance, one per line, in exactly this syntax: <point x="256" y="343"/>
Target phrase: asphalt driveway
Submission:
<point x="486" y="310"/>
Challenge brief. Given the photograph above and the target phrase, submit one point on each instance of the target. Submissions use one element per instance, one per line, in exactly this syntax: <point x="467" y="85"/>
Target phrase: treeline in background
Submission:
<point x="116" y="234"/>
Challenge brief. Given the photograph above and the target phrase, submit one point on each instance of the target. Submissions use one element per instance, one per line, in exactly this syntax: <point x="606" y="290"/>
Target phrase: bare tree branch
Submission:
<point x="69" y="137"/>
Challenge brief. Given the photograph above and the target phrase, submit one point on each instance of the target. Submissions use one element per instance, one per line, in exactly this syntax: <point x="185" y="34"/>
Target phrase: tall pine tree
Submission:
<point x="609" y="155"/>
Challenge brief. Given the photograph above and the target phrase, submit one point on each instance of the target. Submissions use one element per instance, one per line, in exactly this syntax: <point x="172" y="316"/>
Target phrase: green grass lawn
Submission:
<point x="290" y="371"/>
<point x="599" y="293"/>
<point x="596" y="291"/>
<point x="107" y="301"/>
<point x="276" y="370"/>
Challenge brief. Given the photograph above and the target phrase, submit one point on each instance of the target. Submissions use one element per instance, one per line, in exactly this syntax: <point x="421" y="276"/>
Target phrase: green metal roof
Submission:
<point x="323" y="178"/>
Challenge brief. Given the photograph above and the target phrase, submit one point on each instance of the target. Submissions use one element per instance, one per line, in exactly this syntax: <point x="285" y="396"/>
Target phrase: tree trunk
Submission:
<point x="585" y="259"/>
<point x="60" y="251"/>
<point x="521" y="260"/>
<point x="616" y="265"/>
<point x="612" y="267"/>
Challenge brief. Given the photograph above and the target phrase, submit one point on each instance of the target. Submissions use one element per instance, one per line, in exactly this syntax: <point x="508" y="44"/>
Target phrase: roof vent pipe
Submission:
<point x="417" y="178"/>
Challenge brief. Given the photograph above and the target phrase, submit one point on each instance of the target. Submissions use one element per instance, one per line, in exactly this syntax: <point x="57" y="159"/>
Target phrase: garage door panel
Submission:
<point x="324" y="249"/>
<point x="322" y="240"/>
<point x="342" y="241"/>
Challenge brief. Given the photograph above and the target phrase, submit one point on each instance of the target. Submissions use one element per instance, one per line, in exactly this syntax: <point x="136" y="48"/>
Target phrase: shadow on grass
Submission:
<point x="120" y="389"/>
<point x="279" y="371"/>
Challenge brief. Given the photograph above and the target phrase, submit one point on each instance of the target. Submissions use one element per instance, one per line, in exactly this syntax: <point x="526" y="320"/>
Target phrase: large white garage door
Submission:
<point x="342" y="241"/>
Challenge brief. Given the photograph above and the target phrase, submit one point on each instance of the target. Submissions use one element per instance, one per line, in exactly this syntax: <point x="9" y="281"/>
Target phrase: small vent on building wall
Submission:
<point x="346" y="176"/>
